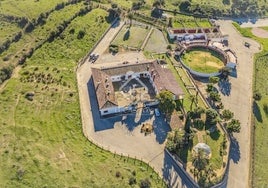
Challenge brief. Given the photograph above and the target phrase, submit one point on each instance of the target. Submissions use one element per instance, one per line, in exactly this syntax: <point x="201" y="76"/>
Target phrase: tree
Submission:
<point x="145" y="183"/>
<point x="257" y="96"/>
<point x="170" y="22"/>
<point x="211" y="116"/>
<point x="166" y="102"/>
<point x="175" y="140"/>
<point x="185" y="5"/>
<point x="197" y="112"/>
<point x="200" y="161"/>
<point x="227" y="115"/>
<point x="130" y="17"/>
<point x="81" y="34"/>
<point x="192" y="99"/>
<point x="114" y="11"/>
<point x="215" y="96"/>
<point x="213" y="79"/>
<point x="209" y="88"/>
<point x="233" y="126"/>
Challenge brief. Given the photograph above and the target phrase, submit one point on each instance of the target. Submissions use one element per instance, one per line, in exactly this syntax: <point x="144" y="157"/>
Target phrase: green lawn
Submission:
<point x="132" y="37"/>
<point x="42" y="144"/>
<point x="202" y="61"/>
<point x="156" y="42"/>
<point x="260" y="163"/>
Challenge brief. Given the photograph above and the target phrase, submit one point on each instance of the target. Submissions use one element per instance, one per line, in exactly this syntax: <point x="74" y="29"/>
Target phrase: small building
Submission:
<point x="196" y="34"/>
<point x="120" y="89"/>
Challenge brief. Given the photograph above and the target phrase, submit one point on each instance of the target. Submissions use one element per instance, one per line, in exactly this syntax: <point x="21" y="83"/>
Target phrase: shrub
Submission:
<point x="265" y="108"/>
<point x="145" y="183"/>
<point x="81" y="34"/>
<point x="132" y="181"/>
<point x="118" y="174"/>
<point x="257" y="96"/>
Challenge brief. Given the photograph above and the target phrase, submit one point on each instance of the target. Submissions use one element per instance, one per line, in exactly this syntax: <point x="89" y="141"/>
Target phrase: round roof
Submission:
<point x="204" y="147"/>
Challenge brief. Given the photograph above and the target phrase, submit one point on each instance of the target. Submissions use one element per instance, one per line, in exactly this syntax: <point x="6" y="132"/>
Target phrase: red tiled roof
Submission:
<point x="163" y="79"/>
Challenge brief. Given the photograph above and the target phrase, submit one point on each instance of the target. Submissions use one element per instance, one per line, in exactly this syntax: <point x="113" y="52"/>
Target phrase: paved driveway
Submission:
<point x="239" y="100"/>
<point x="122" y="134"/>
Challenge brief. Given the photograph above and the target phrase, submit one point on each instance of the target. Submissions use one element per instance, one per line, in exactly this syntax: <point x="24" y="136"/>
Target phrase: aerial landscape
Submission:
<point x="134" y="93"/>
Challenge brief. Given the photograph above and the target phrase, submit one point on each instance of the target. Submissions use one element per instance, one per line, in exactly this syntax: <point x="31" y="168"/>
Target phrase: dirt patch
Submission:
<point x="213" y="64"/>
<point x="259" y="32"/>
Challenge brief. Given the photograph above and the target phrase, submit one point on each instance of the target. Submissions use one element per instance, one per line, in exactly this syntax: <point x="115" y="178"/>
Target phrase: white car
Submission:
<point x="156" y="112"/>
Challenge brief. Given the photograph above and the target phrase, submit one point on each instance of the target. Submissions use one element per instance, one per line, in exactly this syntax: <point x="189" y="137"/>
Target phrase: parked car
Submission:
<point x="156" y="112"/>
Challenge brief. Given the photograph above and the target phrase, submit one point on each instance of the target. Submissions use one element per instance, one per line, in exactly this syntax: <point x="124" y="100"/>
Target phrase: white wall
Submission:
<point x="111" y="110"/>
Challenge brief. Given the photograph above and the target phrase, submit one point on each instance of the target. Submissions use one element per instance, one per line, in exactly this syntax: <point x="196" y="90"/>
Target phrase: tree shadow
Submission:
<point x="161" y="129"/>
<point x="225" y="86"/>
<point x="126" y="35"/>
<point x="235" y="150"/>
<point x="215" y="135"/>
<point x="257" y="112"/>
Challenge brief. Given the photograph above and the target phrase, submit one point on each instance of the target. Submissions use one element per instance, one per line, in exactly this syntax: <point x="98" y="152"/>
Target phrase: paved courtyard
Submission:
<point x="121" y="134"/>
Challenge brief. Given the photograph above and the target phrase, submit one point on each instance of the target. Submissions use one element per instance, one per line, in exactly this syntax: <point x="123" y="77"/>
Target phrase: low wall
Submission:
<point x="224" y="58"/>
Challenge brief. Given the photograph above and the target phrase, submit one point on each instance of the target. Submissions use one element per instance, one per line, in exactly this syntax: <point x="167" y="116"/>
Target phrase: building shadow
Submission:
<point x="161" y="129"/>
<point x="109" y="121"/>
<point x="225" y="86"/>
<point x="257" y="112"/>
<point x="174" y="174"/>
<point x="234" y="150"/>
<point x="98" y="122"/>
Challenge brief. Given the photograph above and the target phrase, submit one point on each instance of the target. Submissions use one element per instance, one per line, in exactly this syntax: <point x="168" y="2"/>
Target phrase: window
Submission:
<point x="105" y="111"/>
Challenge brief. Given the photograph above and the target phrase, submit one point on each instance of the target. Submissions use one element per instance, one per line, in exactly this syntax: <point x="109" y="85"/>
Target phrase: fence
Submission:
<point x="144" y="165"/>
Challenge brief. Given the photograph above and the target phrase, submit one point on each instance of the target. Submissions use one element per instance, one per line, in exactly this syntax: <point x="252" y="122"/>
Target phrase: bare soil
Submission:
<point x="259" y="32"/>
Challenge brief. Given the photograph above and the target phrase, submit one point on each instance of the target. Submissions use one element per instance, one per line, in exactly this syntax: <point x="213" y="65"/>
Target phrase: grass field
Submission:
<point x="39" y="34"/>
<point x="133" y="37"/>
<point x="21" y="8"/>
<point x="202" y="61"/>
<point x="156" y="42"/>
<point x="260" y="158"/>
<point x="42" y="144"/>
<point x="7" y="30"/>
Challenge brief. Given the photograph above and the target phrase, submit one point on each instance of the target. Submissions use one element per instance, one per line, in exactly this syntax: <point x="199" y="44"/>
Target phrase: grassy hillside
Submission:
<point x="42" y="144"/>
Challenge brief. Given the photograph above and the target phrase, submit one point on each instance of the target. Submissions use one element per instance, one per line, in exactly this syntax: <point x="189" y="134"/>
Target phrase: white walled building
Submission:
<point x="115" y="87"/>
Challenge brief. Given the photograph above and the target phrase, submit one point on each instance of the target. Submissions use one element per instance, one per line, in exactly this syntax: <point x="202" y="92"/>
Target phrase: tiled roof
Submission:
<point x="103" y="88"/>
<point x="162" y="77"/>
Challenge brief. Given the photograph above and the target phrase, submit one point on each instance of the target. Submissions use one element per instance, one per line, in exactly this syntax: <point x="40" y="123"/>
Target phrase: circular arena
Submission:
<point x="203" y="60"/>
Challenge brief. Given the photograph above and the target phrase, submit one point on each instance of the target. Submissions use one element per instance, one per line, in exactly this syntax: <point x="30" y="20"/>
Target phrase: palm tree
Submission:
<point x="192" y="99"/>
<point x="200" y="161"/>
